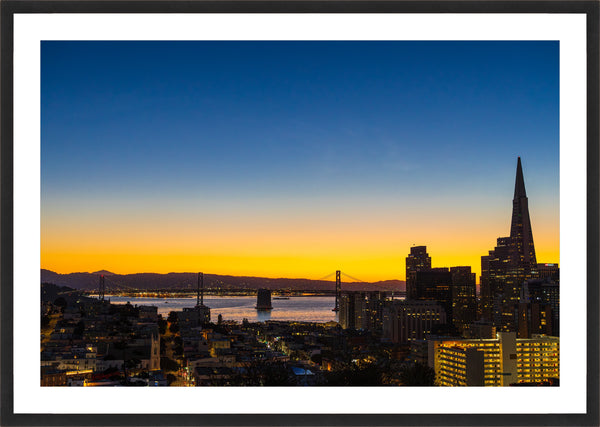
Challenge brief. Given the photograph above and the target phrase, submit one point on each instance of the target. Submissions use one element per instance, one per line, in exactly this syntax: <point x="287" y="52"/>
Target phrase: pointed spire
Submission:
<point x="520" y="228"/>
<point x="519" y="182"/>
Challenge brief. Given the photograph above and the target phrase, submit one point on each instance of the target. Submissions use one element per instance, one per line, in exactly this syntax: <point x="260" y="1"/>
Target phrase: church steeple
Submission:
<point x="520" y="227"/>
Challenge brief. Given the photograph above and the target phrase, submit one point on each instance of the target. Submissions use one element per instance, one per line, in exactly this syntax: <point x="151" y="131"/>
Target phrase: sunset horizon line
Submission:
<point x="105" y="271"/>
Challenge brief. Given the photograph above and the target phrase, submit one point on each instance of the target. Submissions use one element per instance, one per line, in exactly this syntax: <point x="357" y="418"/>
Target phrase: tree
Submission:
<point x="417" y="375"/>
<point x="79" y="328"/>
<point x="167" y="364"/>
<point x="45" y="321"/>
<point x="174" y="328"/>
<point x="276" y="374"/>
<point x="162" y="325"/>
<point x="60" y="302"/>
<point x="122" y="345"/>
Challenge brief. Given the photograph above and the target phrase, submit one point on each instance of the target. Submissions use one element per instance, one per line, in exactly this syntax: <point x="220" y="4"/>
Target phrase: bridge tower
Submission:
<point x="101" y="288"/>
<point x="338" y="290"/>
<point x="200" y="293"/>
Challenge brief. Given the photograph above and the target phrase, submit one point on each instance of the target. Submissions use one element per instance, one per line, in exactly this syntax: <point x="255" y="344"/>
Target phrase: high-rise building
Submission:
<point x="362" y="310"/>
<point x="507" y="360"/>
<point x="417" y="260"/>
<point x="435" y="285"/>
<point x="549" y="271"/>
<point x="534" y="318"/>
<point x="408" y="320"/>
<point x="541" y="299"/>
<point x="464" y="297"/>
<point x="494" y="274"/>
<point x="522" y="249"/>
<point x="509" y="265"/>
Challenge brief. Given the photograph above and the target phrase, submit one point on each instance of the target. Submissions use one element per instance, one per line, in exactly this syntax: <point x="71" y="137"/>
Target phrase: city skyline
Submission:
<point x="293" y="159"/>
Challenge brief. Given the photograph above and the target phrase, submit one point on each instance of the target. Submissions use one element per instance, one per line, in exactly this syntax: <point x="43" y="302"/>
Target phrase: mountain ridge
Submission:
<point x="89" y="281"/>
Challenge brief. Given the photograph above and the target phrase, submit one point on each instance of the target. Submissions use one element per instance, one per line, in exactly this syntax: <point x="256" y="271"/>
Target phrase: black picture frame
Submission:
<point x="11" y="7"/>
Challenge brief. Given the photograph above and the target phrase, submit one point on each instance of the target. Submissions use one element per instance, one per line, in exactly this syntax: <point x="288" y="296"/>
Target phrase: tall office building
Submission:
<point x="417" y="260"/>
<point x="408" y="320"/>
<point x="435" y="285"/>
<point x="541" y="299"/>
<point x="549" y="271"/>
<point x="464" y="297"/>
<point x="509" y="265"/>
<point x="494" y="274"/>
<point x="362" y="310"/>
<point x="522" y="250"/>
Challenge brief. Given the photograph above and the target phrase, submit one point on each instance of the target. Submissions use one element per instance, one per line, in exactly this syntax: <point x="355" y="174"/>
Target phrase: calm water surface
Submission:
<point x="303" y="309"/>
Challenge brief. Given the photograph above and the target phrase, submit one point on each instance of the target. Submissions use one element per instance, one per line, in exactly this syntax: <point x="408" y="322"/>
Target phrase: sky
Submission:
<point x="293" y="159"/>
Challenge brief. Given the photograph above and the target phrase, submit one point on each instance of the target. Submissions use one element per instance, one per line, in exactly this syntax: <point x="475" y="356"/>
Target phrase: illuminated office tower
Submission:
<point x="549" y="271"/>
<point x="417" y="260"/>
<point x="435" y="285"/>
<point x="464" y="297"/>
<point x="362" y="310"/>
<point x="510" y="264"/>
<point x="410" y="320"/>
<point x="522" y="250"/>
<point x="494" y="274"/>
<point x="539" y="307"/>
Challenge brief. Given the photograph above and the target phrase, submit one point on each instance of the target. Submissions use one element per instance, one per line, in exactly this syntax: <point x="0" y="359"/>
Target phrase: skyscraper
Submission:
<point x="464" y="297"/>
<point x="522" y="250"/>
<point x="362" y="310"/>
<point x="510" y="264"/>
<point x="417" y="260"/>
<point x="435" y="285"/>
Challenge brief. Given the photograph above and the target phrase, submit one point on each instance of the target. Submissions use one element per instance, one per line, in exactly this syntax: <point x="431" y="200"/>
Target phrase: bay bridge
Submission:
<point x="338" y="285"/>
<point x="115" y="286"/>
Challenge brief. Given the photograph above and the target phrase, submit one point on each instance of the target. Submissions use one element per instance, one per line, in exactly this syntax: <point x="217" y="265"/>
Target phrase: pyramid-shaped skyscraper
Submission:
<point x="511" y="263"/>
<point x="523" y="250"/>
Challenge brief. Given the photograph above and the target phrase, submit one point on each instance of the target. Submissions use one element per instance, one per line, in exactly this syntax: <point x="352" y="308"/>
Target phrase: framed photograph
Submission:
<point x="299" y="213"/>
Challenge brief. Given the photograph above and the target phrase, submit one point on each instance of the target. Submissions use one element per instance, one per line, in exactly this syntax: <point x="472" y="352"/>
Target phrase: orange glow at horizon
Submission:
<point x="371" y="247"/>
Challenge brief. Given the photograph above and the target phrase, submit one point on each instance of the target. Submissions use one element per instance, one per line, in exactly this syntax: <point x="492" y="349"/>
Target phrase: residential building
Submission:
<point x="507" y="360"/>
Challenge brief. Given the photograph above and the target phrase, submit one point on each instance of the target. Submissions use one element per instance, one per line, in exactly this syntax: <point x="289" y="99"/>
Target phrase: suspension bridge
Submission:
<point x="102" y="285"/>
<point x="338" y="285"/>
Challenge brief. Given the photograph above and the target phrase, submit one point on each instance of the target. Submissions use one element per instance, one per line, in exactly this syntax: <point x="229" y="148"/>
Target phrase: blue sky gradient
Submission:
<point x="310" y="126"/>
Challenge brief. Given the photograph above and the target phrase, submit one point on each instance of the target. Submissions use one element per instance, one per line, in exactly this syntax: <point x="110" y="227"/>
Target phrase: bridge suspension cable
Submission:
<point x="354" y="278"/>
<point x="330" y="275"/>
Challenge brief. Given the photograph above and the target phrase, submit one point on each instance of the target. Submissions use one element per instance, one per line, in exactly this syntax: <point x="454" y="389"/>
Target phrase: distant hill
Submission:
<point x="88" y="281"/>
<point x="104" y="272"/>
<point x="51" y="292"/>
